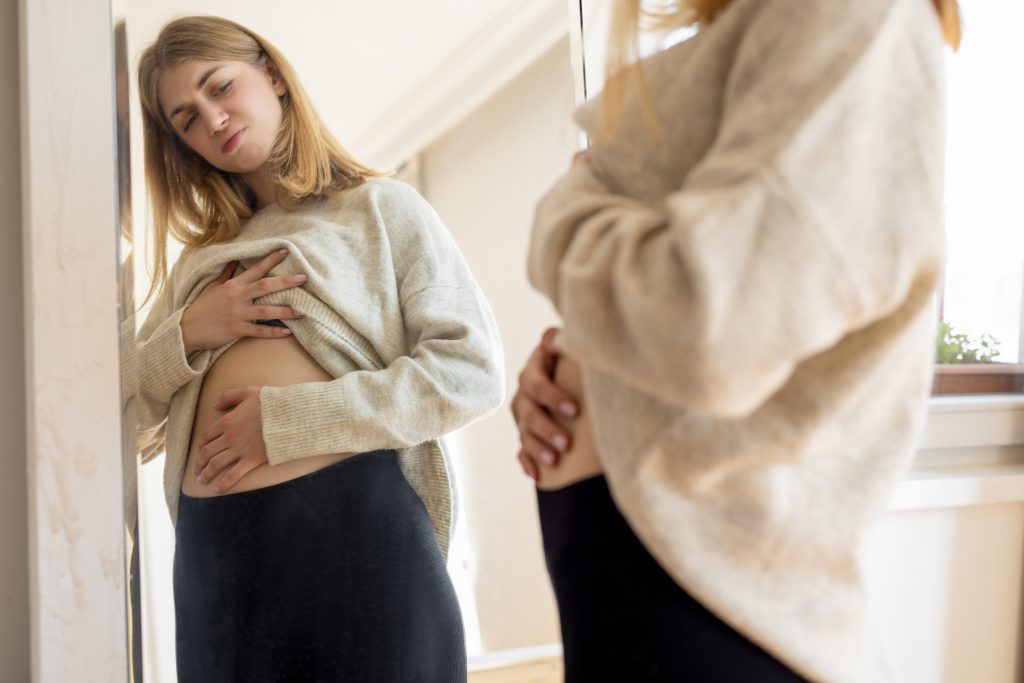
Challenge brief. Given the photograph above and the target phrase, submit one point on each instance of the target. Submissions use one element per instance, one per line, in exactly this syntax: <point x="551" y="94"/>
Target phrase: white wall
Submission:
<point x="14" y="616"/>
<point x="946" y="589"/>
<point x="484" y="177"/>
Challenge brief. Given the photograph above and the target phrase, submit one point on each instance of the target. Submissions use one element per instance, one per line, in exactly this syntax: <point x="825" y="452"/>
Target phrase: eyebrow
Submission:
<point x="199" y="86"/>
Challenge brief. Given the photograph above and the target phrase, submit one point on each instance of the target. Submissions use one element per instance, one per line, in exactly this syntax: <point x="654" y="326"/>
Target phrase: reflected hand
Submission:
<point x="233" y="446"/>
<point x="224" y="310"/>
<point x="536" y="399"/>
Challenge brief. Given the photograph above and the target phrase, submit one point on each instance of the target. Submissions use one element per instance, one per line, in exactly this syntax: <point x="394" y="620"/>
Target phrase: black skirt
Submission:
<point x="623" y="617"/>
<point x="333" y="576"/>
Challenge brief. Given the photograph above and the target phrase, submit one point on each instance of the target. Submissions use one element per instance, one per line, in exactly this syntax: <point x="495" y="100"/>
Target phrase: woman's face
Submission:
<point x="227" y="112"/>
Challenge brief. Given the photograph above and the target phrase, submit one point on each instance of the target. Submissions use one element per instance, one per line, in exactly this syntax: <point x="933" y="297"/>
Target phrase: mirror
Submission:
<point x="471" y="103"/>
<point x="468" y="103"/>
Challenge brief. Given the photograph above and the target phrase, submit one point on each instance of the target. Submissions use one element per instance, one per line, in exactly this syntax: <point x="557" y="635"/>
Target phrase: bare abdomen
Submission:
<point x="260" y="362"/>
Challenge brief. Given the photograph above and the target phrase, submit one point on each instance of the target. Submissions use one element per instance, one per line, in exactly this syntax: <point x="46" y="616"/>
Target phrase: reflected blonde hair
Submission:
<point x="630" y="18"/>
<point x="199" y="204"/>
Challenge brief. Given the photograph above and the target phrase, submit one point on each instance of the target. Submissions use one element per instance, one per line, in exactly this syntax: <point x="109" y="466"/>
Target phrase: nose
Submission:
<point x="214" y="118"/>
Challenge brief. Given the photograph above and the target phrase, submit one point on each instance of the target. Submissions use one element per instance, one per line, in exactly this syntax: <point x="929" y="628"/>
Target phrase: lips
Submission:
<point x="232" y="142"/>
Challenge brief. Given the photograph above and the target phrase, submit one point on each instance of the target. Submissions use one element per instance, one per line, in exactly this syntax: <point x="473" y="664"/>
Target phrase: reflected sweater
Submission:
<point x="749" y="291"/>
<point x="391" y="310"/>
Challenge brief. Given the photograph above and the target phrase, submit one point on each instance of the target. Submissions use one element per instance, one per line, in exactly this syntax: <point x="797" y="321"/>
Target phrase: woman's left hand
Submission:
<point x="232" y="446"/>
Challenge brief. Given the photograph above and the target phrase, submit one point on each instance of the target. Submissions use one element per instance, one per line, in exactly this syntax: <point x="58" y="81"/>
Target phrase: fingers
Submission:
<point x="540" y="436"/>
<point x="538" y="450"/>
<point x="529" y="466"/>
<point x="227" y="273"/>
<point x="551" y="341"/>
<point x="536" y="382"/>
<point x="275" y="313"/>
<point x="214" y="431"/>
<point x="207" y="453"/>
<point x="549" y="351"/>
<point x="262" y="267"/>
<point x="265" y="331"/>
<point x="233" y="475"/>
<point x="228" y="400"/>
<point x="216" y="465"/>
<point x="269" y="285"/>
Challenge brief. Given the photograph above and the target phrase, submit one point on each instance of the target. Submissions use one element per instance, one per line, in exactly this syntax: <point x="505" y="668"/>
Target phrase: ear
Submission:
<point x="276" y="80"/>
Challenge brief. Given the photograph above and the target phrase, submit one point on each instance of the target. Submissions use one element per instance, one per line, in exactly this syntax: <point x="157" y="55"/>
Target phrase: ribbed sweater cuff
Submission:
<point x="165" y="366"/>
<point x="303" y="420"/>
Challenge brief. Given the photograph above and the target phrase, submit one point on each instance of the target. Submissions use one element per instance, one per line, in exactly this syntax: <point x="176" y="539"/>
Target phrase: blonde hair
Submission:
<point x="632" y="17"/>
<point x="199" y="204"/>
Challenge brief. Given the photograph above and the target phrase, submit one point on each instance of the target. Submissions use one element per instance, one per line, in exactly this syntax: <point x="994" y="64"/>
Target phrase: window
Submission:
<point x="984" y="287"/>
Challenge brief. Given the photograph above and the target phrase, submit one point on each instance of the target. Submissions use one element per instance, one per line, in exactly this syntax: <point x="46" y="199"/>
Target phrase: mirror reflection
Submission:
<point x="310" y="325"/>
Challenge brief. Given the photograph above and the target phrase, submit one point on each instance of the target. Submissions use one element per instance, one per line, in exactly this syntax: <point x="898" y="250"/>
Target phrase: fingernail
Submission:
<point x="300" y="278"/>
<point x="560" y="441"/>
<point x="547" y="457"/>
<point x="566" y="408"/>
<point x="285" y="331"/>
<point x="282" y="251"/>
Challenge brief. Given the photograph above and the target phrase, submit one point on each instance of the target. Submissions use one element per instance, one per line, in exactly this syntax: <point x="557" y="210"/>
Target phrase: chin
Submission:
<point x="239" y="167"/>
<point x="248" y="164"/>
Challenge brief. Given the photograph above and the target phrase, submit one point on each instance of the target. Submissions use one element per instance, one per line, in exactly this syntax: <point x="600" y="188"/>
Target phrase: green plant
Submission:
<point x="953" y="345"/>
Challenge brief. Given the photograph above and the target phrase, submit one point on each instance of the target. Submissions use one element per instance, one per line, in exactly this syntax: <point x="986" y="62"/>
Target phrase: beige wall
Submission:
<point x="14" y="616"/>
<point x="484" y="177"/>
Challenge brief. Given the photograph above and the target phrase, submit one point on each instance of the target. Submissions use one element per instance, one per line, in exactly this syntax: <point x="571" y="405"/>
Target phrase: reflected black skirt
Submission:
<point x="333" y="576"/>
<point x="623" y="617"/>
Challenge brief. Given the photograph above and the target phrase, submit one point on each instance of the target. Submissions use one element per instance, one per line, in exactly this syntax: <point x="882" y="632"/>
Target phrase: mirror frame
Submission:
<point x="77" y="570"/>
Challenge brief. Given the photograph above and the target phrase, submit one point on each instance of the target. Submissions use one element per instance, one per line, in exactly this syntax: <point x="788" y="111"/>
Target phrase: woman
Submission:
<point x="745" y="263"/>
<point x="318" y="335"/>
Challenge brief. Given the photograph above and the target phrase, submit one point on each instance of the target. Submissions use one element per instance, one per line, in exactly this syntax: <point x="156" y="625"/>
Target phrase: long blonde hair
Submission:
<point x="632" y="17"/>
<point x="197" y="203"/>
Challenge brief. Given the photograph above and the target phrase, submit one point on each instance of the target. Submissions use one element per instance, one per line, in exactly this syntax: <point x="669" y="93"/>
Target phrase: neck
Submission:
<point x="263" y="186"/>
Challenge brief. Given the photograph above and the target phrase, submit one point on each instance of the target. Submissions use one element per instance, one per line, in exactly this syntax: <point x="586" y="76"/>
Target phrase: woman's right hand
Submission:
<point x="224" y="310"/>
<point x="535" y="401"/>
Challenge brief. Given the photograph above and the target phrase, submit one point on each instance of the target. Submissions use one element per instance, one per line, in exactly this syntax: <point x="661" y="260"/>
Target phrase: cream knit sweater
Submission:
<point x="391" y="311"/>
<point x="750" y="295"/>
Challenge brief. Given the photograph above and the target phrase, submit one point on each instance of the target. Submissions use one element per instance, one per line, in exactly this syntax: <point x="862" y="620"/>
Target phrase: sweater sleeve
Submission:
<point x="792" y="231"/>
<point x="451" y="374"/>
<point x="154" y="364"/>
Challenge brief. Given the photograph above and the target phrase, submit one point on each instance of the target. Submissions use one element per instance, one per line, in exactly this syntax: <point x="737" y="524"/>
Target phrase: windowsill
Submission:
<point x="978" y="421"/>
<point x="978" y="378"/>
<point x="972" y="453"/>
